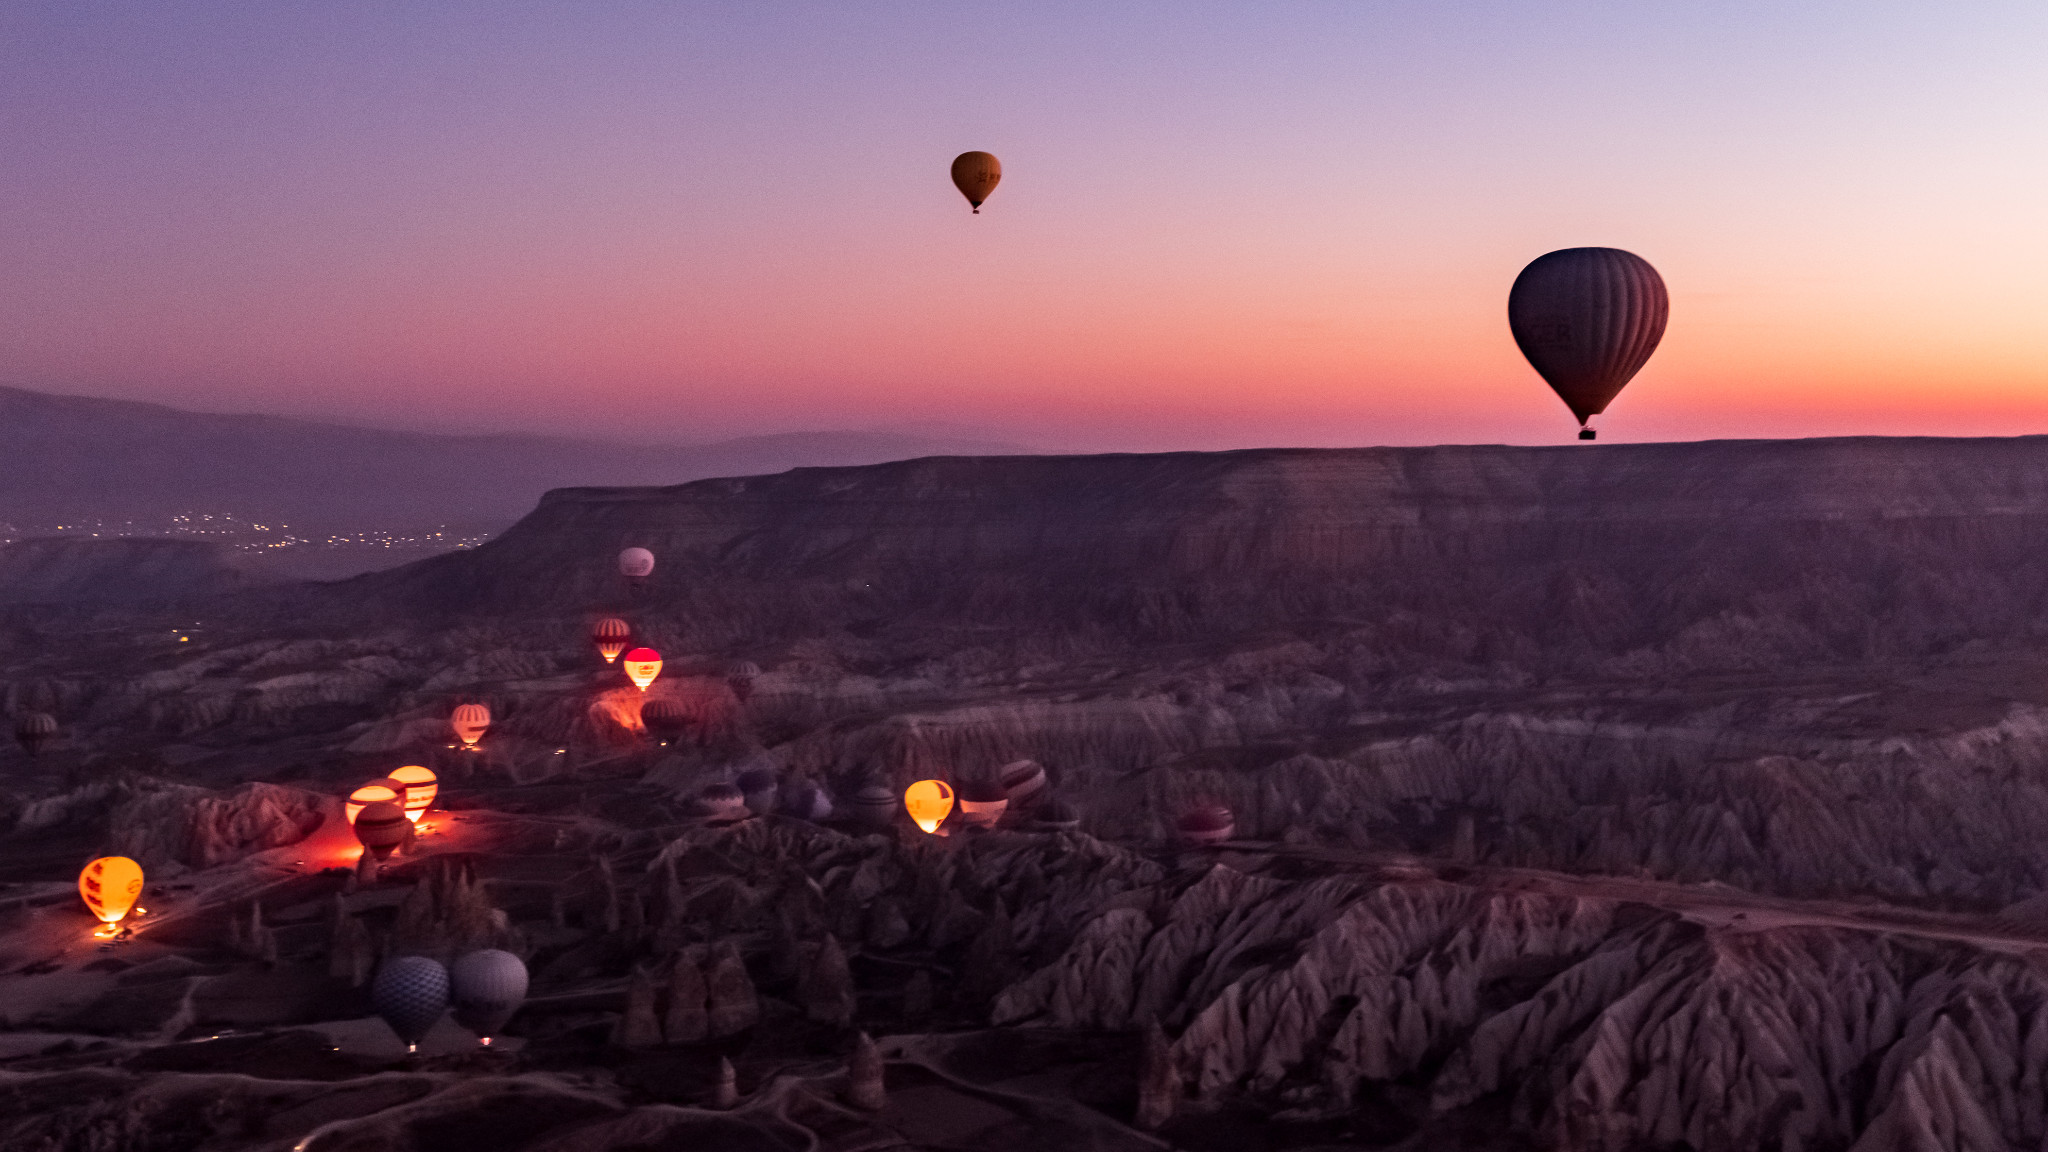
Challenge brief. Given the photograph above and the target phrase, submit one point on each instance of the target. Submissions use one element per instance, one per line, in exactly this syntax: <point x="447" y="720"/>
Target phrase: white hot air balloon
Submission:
<point x="489" y="986"/>
<point x="636" y="565"/>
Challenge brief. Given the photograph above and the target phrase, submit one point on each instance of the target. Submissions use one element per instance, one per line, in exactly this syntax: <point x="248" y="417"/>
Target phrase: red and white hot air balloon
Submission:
<point x="642" y="666"/>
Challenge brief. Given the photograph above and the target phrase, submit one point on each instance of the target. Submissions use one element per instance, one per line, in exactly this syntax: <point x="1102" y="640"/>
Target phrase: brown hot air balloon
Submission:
<point x="382" y="827"/>
<point x="664" y="718"/>
<point x="976" y="175"/>
<point x="1588" y="319"/>
<point x="35" y="729"/>
<point x="982" y="803"/>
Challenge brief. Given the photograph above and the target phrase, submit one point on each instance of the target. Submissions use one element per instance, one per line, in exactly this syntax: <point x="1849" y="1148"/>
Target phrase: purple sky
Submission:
<point x="1220" y="224"/>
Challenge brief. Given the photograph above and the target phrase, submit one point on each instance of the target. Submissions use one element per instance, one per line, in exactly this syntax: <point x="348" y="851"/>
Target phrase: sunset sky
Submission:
<point x="1220" y="225"/>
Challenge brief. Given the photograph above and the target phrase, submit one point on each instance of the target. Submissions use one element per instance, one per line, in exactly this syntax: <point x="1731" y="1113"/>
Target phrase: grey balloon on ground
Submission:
<point x="1588" y="320"/>
<point x="410" y="993"/>
<point x="489" y="986"/>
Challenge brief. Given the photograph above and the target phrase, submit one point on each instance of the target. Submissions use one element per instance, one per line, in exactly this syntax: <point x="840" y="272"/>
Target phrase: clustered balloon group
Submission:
<point x="412" y="993"/>
<point x="1587" y="319"/>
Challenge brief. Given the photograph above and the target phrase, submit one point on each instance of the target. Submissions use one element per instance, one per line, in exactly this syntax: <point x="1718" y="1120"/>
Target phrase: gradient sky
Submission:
<point x="1220" y="225"/>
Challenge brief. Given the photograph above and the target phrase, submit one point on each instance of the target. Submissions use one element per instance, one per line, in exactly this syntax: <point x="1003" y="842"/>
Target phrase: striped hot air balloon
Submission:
<point x="470" y="722"/>
<point x="381" y="791"/>
<point x="875" y="805"/>
<point x="610" y="635"/>
<point x="381" y="828"/>
<point x="1588" y="320"/>
<point x="421" y="786"/>
<point x="35" y="729"/>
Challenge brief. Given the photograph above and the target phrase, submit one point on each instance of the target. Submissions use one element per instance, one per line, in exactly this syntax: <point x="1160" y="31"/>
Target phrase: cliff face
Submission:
<point x="1684" y="555"/>
<point x="1613" y="797"/>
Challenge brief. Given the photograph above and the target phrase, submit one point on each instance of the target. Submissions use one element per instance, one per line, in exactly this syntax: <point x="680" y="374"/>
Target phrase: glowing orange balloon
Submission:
<point x="470" y="722"/>
<point x="610" y="634"/>
<point x="421" y="786"/>
<point x="375" y="792"/>
<point x="928" y="802"/>
<point x="111" y="885"/>
<point x="642" y="666"/>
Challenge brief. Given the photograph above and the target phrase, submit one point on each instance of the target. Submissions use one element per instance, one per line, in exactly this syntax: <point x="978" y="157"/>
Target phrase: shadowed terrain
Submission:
<point x="1622" y="797"/>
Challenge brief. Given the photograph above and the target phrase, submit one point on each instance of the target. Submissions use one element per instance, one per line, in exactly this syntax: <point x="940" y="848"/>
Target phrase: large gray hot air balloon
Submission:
<point x="1588" y="319"/>
<point x="489" y="987"/>
<point x="410" y="993"/>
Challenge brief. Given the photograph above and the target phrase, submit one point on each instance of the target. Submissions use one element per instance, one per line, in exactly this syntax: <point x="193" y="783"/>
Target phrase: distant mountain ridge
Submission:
<point x="69" y="457"/>
<point x="1665" y="557"/>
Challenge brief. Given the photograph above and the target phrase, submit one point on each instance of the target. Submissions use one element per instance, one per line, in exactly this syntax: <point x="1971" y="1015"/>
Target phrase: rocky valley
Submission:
<point x="1617" y="797"/>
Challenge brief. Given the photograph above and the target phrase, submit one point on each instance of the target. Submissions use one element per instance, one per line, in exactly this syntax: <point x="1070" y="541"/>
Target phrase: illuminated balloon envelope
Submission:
<point x="1588" y="319"/>
<point x="642" y="666"/>
<point x="610" y="635"/>
<point x="976" y="175"/>
<point x="470" y="722"/>
<point x="928" y="802"/>
<point x="110" y="886"/>
<point x="381" y="827"/>
<point x="375" y="792"/>
<point x="421" y="786"/>
<point x="636" y="565"/>
<point x="35" y="729"/>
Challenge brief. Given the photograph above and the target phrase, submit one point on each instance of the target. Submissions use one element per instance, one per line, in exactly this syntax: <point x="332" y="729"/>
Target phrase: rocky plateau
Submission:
<point x="1684" y="796"/>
